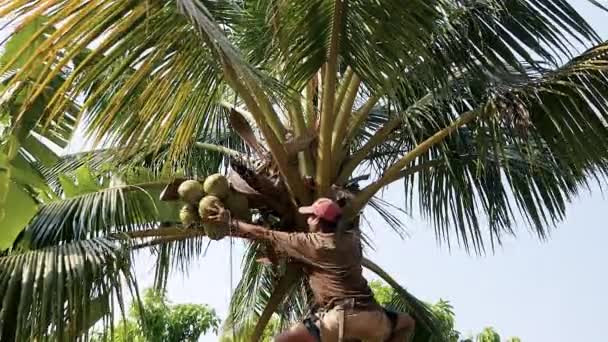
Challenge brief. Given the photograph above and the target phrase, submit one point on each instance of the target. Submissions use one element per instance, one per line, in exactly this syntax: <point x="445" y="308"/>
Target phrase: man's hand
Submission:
<point x="220" y="215"/>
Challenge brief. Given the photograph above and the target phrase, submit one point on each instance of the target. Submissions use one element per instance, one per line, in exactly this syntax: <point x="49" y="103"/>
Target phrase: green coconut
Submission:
<point x="216" y="185"/>
<point x="191" y="191"/>
<point x="188" y="215"/>
<point x="238" y="205"/>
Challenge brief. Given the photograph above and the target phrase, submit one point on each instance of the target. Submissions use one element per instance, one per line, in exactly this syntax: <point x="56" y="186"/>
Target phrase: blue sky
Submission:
<point x="541" y="291"/>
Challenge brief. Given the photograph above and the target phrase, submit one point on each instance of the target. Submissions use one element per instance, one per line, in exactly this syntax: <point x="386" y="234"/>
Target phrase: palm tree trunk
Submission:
<point x="282" y="288"/>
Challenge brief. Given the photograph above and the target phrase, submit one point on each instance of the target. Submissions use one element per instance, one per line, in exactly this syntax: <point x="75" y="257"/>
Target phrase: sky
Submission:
<point x="552" y="290"/>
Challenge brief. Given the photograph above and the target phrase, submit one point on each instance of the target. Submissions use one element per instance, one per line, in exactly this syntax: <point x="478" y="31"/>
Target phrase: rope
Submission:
<point x="230" y="229"/>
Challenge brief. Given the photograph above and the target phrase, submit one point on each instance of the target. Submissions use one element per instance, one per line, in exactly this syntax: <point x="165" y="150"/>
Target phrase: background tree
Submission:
<point x="465" y="102"/>
<point x="488" y="335"/>
<point x="244" y="334"/>
<point x="158" y="320"/>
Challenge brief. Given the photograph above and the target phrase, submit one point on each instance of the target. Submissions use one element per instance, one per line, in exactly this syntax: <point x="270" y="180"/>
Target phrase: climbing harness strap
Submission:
<point x="341" y="311"/>
<point x="310" y="323"/>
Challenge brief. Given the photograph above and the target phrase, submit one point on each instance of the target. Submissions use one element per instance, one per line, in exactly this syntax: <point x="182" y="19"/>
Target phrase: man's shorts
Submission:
<point x="369" y="325"/>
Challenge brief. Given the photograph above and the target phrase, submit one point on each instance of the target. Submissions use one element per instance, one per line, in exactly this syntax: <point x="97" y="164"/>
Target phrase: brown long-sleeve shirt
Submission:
<point x="333" y="265"/>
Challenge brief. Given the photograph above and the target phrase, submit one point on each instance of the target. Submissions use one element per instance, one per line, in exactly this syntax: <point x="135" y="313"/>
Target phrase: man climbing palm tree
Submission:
<point x="344" y="304"/>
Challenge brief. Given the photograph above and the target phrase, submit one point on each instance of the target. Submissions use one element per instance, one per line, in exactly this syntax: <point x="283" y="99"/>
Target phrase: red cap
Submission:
<point x="324" y="208"/>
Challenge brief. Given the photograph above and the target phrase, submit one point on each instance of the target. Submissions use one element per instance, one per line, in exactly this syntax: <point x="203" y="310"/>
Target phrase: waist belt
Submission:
<point x="361" y="302"/>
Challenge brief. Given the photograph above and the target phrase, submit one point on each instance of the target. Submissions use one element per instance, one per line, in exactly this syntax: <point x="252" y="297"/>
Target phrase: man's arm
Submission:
<point x="301" y="246"/>
<point x="292" y="243"/>
<point x="238" y="228"/>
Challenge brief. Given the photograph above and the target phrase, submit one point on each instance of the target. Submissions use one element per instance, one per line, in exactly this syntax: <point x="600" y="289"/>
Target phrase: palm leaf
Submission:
<point x="253" y="290"/>
<point x="54" y="292"/>
<point x="426" y="322"/>
<point x="115" y="209"/>
<point x="177" y="257"/>
<point x="131" y="73"/>
<point x="525" y="149"/>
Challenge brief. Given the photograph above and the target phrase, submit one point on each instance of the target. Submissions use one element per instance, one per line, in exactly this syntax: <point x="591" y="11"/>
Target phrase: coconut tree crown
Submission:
<point x="483" y="109"/>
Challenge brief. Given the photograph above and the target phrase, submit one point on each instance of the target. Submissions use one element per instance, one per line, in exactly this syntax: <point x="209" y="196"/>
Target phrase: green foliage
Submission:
<point x="442" y="310"/>
<point x="22" y="186"/>
<point x="19" y="209"/>
<point x="384" y="294"/>
<point x="488" y="335"/>
<point x="61" y="291"/>
<point x="155" y="78"/>
<point x="244" y="333"/>
<point x="158" y="321"/>
<point x="24" y="40"/>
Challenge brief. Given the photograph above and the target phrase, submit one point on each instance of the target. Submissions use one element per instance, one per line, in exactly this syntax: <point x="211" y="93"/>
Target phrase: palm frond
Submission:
<point x="117" y="162"/>
<point x="495" y="36"/>
<point x="426" y="321"/>
<point x="253" y="291"/>
<point x="115" y="209"/>
<point x="296" y="305"/>
<point x="386" y="211"/>
<point x="60" y="291"/>
<point x="91" y="204"/>
<point x="135" y="56"/>
<point x="18" y="48"/>
<point x="177" y="256"/>
<point x="526" y="148"/>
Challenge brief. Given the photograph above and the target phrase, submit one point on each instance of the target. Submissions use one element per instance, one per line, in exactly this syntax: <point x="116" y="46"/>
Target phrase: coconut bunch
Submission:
<point x="201" y="197"/>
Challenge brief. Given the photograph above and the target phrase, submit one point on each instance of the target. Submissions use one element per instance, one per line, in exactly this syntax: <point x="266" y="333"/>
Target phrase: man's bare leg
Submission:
<point x="404" y="329"/>
<point x="297" y="333"/>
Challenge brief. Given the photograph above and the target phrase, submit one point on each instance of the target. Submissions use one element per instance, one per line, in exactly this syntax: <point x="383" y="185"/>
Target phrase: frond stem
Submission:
<point x="344" y="84"/>
<point x="363" y="152"/>
<point x="358" y="118"/>
<point x="394" y="172"/>
<point x="220" y="149"/>
<point x="344" y="114"/>
<point x="305" y="160"/>
<point x="292" y="178"/>
<point x="324" y="163"/>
